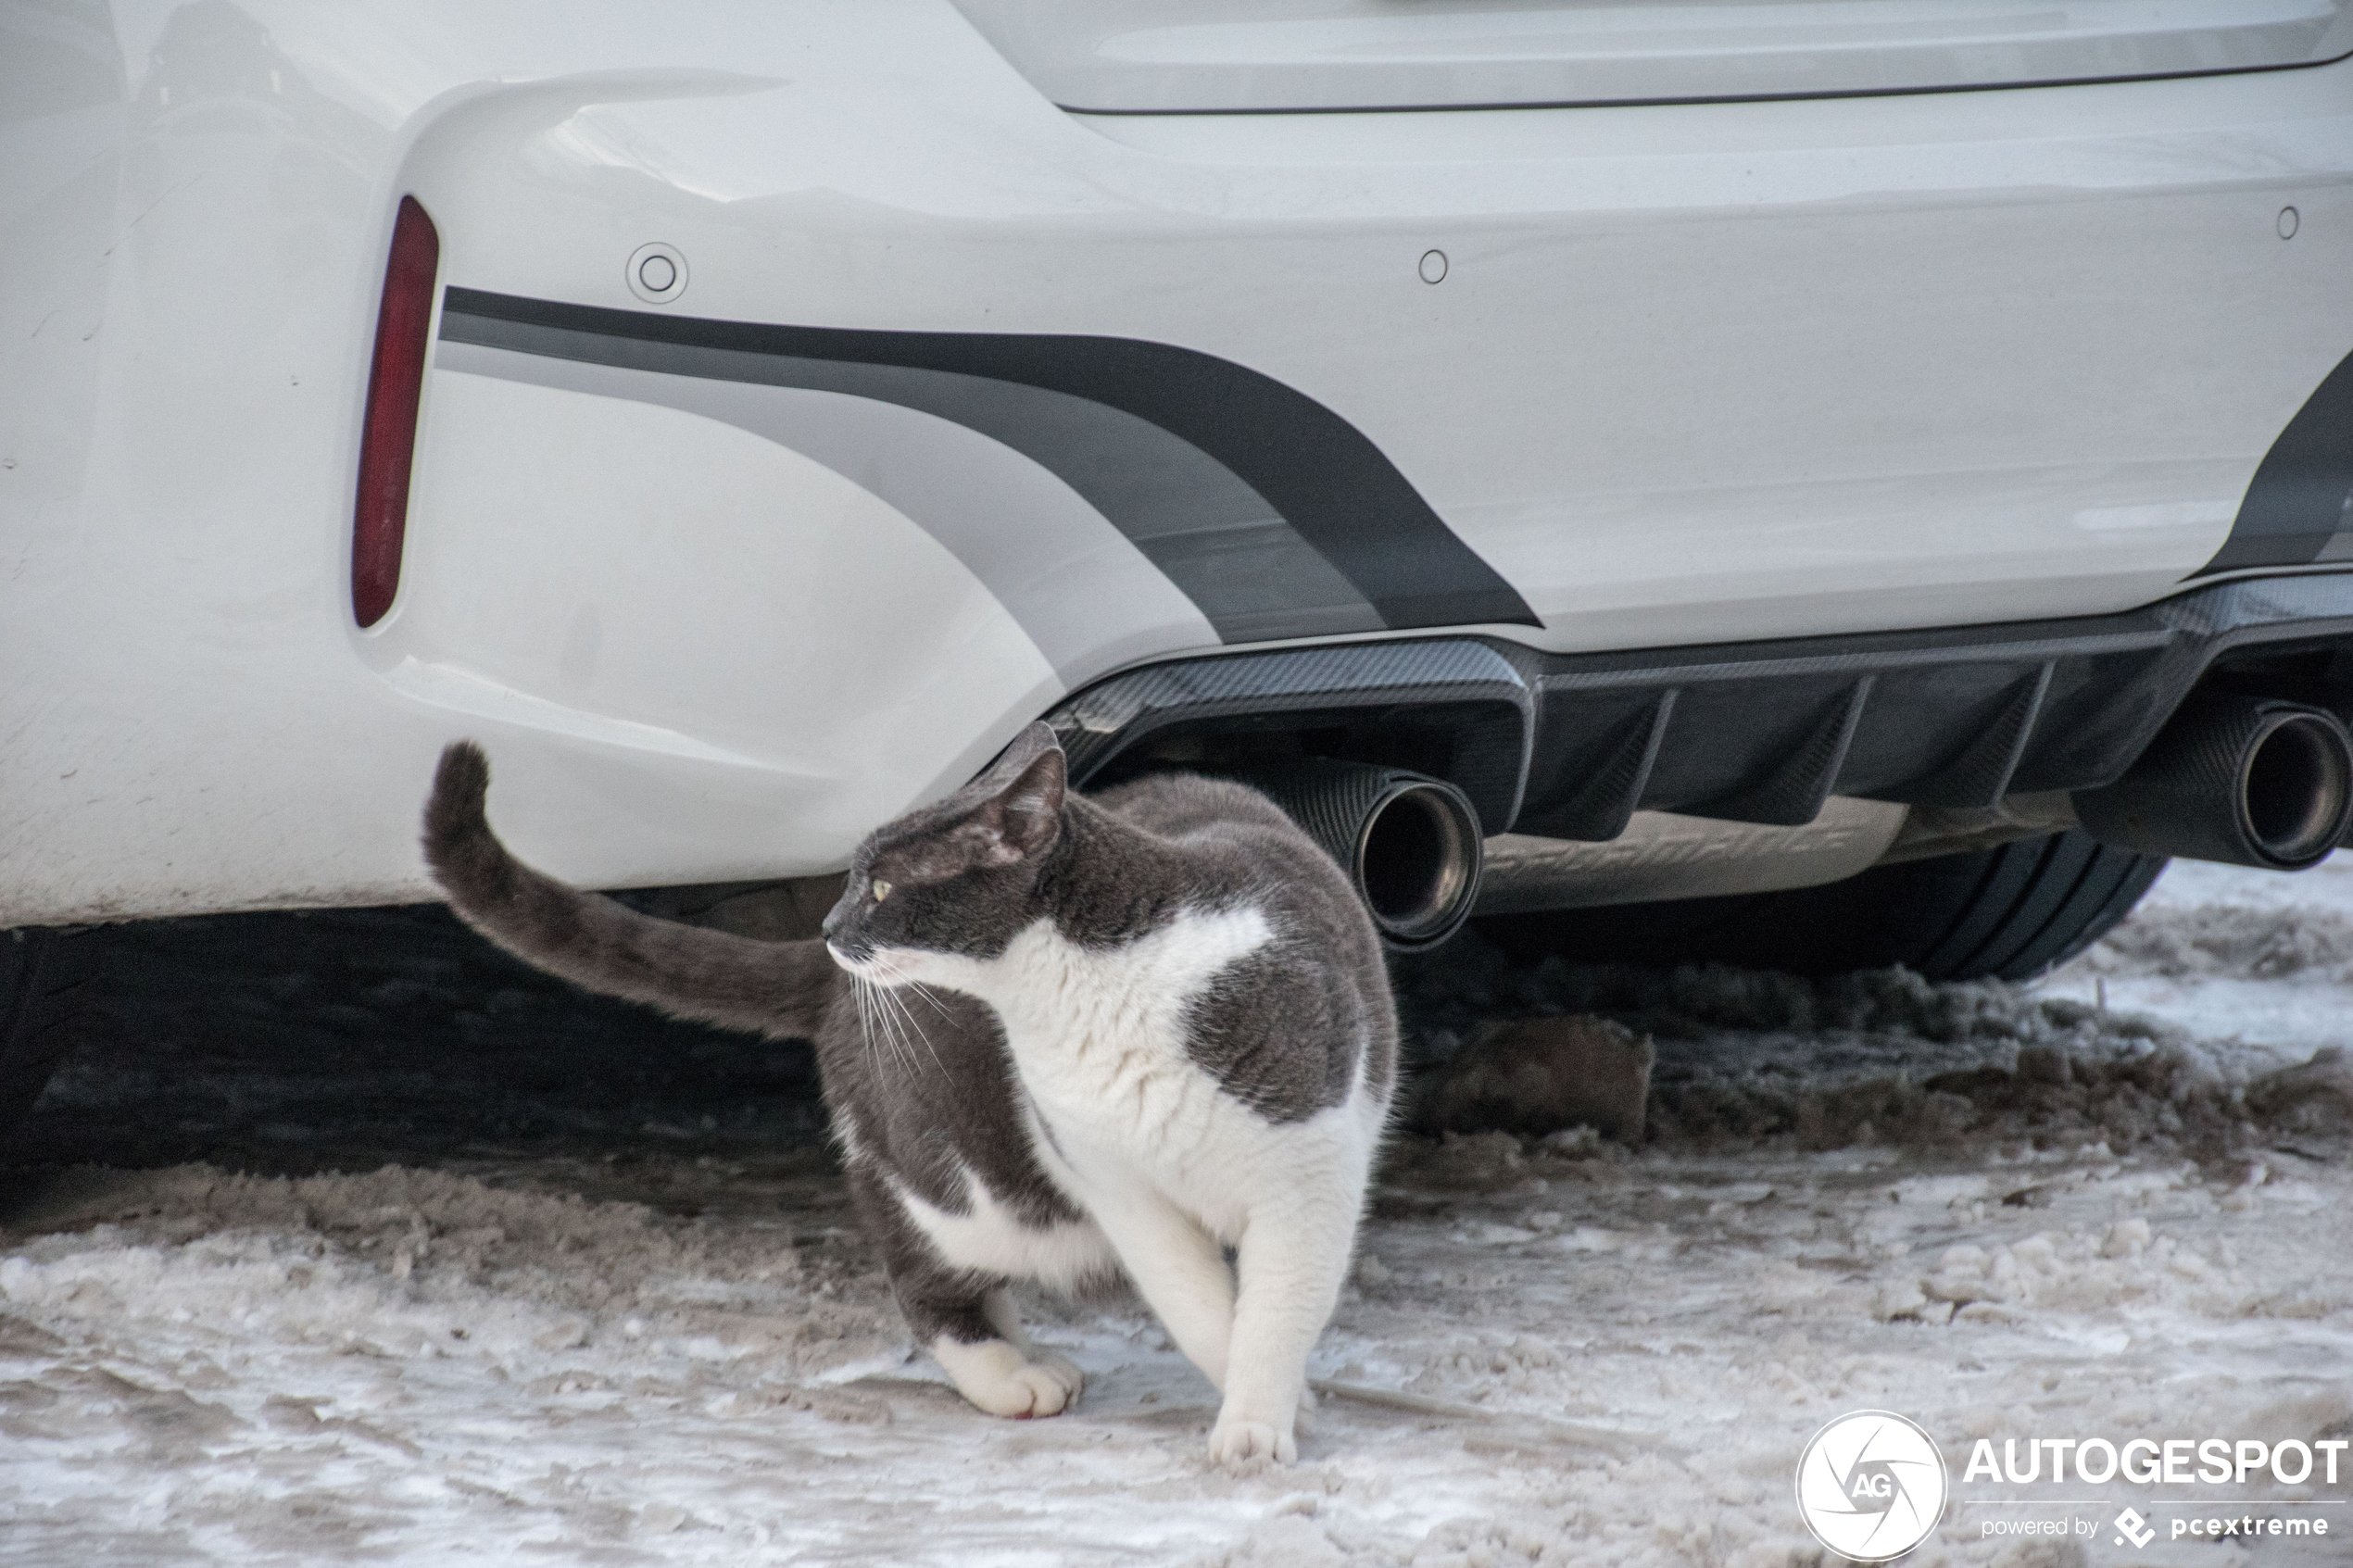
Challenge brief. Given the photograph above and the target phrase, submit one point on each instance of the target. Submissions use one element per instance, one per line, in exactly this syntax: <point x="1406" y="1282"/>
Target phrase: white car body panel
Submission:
<point x="1695" y="373"/>
<point x="1223" y="55"/>
<point x="570" y="595"/>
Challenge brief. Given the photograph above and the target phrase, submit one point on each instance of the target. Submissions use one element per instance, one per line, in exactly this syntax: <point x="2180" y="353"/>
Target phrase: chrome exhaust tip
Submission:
<point x="2246" y="781"/>
<point x="1409" y="843"/>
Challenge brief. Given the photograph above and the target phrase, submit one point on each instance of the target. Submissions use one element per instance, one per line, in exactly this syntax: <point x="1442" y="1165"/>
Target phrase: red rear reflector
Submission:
<point x="389" y="439"/>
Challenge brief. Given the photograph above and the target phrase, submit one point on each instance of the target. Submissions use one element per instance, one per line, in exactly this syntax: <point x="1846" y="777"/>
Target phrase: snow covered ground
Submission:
<point x="515" y="1283"/>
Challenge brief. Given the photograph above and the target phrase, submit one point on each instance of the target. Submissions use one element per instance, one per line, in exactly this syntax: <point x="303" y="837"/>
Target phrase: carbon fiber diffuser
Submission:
<point x="1409" y="843"/>
<point x="2245" y="779"/>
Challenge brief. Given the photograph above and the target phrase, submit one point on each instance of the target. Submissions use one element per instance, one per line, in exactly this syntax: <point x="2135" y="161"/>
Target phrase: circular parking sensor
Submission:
<point x="657" y="273"/>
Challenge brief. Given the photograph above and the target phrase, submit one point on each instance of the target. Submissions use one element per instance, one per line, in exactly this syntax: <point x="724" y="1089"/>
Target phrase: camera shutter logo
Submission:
<point x="1871" y="1486"/>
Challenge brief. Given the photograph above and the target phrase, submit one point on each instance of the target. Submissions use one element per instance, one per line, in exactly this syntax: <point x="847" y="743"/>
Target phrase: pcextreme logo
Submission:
<point x="1871" y="1486"/>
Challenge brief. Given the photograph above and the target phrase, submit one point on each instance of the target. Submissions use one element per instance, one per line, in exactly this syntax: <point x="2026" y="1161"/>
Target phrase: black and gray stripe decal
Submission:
<point x="2298" y="508"/>
<point x="1273" y="515"/>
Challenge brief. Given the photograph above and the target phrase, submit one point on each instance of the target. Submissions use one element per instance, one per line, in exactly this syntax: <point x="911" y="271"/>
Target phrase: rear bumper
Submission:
<point x="1696" y="375"/>
<point x="1571" y="746"/>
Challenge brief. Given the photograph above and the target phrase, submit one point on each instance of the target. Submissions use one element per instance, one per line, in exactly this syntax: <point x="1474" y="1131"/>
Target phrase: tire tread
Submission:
<point x="2011" y="913"/>
<point x="51" y="981"/>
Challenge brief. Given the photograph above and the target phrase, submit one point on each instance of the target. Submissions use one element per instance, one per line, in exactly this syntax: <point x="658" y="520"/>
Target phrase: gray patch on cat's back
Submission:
<point x="1236" y="1035"/>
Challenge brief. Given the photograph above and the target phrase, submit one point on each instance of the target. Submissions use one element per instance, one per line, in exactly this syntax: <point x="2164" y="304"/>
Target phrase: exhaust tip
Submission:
<point x="2295" y="788"/>
<point x="1416" y="862"/>
<point x="2242" y="780"/>
<point x="1410" y="844"/>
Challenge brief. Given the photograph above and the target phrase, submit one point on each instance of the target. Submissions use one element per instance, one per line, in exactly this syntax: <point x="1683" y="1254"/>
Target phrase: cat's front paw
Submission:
<point x="1001" y="1380"/>
<point x="1063" y="1372"/>
<point x="1237" y="1442"/>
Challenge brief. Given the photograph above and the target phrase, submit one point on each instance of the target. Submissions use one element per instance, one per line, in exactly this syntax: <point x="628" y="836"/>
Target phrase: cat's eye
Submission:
<point x="882" y="891"/>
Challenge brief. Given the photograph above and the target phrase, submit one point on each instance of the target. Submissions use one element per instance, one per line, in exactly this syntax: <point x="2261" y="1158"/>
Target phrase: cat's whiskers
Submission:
<point x="884" y="1016"/>
<point x="858" y="996"/>
<point x="858" y="989"/>
<point x="887" y="1025"/>
<point x="878" y="1037"/>
<point x="908" y="1020"/>
<point x="919" y="989"/>
<point x="892" y="1012"/>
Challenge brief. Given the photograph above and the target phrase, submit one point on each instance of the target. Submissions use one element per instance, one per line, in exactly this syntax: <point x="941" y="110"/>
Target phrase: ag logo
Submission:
<point x="1870" y="1485"/>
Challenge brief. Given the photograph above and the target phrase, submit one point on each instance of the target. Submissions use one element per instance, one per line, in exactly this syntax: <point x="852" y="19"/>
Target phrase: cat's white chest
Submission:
<point x="1098" y="1036"/>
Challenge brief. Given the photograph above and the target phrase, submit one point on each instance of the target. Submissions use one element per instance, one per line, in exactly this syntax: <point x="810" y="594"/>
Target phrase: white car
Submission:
<point x="1730" y="448"/>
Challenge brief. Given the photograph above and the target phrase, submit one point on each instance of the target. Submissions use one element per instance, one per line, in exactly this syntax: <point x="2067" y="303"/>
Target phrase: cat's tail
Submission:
<point x="780" y="989"/>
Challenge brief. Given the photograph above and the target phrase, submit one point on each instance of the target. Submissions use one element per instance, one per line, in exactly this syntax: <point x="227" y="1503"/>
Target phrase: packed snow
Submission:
<point x="347" y="1242"/>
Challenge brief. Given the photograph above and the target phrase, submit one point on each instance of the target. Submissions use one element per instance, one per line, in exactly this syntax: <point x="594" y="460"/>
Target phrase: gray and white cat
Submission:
<point x="1163" y="1029"/>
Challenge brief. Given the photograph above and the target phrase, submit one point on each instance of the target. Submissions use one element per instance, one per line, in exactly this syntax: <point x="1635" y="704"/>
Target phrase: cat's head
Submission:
<point x="957" y="880"/>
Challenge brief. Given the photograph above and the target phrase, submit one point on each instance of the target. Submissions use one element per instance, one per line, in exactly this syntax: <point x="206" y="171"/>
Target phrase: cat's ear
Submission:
<point x="1024" y="749"/>
<point x="1024" y="816"/>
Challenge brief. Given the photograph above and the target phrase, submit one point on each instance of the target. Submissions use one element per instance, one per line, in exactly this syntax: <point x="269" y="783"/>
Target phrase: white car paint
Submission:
<point x="1166" y="55"/>
<point x="1695" y="373"/>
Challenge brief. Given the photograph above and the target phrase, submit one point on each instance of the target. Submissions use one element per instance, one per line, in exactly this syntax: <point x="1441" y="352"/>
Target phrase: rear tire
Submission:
<point x="2008" y="913"/>
<point x="48" y="988"/>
